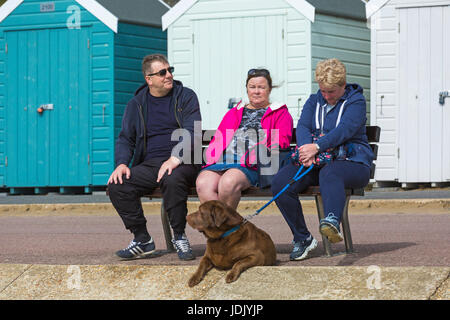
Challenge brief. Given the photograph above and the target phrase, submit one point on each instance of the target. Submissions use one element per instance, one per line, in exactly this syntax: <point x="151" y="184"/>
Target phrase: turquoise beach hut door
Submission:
<point x="48" y="80"/>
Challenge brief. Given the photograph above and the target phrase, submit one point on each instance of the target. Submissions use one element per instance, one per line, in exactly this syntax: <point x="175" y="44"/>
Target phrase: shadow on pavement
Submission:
<point x="362" y="251"/>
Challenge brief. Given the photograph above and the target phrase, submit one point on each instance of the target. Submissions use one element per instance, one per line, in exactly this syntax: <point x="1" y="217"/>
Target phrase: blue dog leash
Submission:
<point x="296" y="177"/>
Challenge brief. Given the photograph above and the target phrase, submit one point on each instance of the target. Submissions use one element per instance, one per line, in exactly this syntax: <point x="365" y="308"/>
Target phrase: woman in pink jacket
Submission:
<point x="231" y="156"/>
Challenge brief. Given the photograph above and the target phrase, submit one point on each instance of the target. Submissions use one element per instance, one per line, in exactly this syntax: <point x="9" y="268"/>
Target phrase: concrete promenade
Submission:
<point x="51" y="250"/>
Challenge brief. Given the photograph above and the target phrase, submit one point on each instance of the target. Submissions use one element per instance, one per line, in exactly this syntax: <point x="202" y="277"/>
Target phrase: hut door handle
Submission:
<point x="44" y="107"/>
<point x="442" y="96"/>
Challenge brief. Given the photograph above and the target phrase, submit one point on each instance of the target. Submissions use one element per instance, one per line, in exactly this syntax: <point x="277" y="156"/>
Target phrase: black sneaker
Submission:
<point x="137" y="250"/>
<point x="181" y="244"/>
<point x="302" y="248"/>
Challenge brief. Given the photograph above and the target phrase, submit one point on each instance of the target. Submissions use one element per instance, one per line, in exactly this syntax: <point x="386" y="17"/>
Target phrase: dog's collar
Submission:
<point x="226" y="234"/>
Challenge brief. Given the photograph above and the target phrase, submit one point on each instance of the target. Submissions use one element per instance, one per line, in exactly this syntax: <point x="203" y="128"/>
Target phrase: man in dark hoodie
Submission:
<point x="332" y="120"/>
<point x="159" y="107"/>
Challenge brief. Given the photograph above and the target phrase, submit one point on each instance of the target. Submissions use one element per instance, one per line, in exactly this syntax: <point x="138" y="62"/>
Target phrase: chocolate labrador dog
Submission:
<point x="232" y="242"/>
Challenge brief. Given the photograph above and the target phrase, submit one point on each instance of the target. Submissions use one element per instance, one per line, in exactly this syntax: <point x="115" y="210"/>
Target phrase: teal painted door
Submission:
<point x="48" y="68"/>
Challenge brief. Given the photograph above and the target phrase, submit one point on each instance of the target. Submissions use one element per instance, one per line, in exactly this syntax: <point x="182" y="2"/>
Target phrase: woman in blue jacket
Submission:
<point x="332" y="120"/>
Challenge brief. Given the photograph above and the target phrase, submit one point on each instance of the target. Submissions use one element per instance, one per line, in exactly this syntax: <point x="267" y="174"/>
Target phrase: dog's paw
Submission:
<point x="231" y="276"/>
<point x="193" y="281"/>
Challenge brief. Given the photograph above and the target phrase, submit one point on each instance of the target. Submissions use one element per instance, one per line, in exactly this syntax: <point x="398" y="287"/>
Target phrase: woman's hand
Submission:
<point x="309" y="162"/>
<point x="307" y="153"/>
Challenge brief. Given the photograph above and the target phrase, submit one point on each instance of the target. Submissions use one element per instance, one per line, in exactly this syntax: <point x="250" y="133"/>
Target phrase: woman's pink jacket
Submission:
<point x="276" y="122"/>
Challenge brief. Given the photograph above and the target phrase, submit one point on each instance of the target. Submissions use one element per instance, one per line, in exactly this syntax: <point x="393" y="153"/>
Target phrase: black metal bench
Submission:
<point x="373" y="134"/>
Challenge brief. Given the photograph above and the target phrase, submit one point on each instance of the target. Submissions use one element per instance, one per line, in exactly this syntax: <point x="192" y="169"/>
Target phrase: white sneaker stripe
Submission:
<point x="134" y="252"/>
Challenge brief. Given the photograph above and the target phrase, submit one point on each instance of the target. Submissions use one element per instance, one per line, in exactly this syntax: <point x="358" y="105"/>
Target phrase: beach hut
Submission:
<point x="213" y="44"/>
<point x="410" y="85"/>
<point x="67" y="70"/>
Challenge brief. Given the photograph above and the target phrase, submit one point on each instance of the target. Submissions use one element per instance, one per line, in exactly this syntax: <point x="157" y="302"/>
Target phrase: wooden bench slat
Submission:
<point x="373" y="133"/>
<point x="257" y="192"/>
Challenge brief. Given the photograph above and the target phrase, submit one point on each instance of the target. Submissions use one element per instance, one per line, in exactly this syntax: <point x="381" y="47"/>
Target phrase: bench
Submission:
<point x="373" y="134"/>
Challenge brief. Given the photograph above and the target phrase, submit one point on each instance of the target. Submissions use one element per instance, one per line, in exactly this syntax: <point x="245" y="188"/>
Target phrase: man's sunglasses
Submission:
<point x="162" y="72"/>
<point x="263" y="72"/>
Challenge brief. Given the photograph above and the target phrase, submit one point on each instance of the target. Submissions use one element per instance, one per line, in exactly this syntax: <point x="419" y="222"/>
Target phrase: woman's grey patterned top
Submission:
<point x="246" y="137"/>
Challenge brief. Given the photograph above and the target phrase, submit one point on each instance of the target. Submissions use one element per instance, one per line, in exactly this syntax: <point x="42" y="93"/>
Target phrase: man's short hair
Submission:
<point x="331" y="72"/>
<point x="148" y="60"/>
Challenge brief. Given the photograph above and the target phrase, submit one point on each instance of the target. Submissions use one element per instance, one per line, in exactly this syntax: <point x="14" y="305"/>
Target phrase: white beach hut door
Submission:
<point x="424" y="72"/>
<point x="225" y="49"/>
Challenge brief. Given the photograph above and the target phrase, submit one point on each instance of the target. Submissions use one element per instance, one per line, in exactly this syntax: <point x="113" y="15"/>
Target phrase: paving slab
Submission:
<point x="61" y="282"/>
<point x="56" y="282"/>
<point x="10" y="273"/>
<point x="443" y="292"/>
<point x="333" y="283"/>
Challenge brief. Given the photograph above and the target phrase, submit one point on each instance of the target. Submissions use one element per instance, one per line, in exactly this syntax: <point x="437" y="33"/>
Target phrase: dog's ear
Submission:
<point x="218" y="215"/>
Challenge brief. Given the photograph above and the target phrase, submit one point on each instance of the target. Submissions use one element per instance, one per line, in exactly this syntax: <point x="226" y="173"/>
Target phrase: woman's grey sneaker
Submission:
<point x="302" y="248"/>
<point x="181" y="244"/>
<point x="329" y="227"/>
<point x="137" y="250"/>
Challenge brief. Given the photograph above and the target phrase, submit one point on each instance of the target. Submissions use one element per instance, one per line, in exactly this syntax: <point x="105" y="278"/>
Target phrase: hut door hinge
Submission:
<point x="193" y="40"/>
<point x="282" y="34"/>
<point x="6" y="47"/>
<point x="398" y="153"/>
<point x="88" y="43"/>
<point x="89" y="159"/>
<point x="399" y="27"/>
<point x="6" y="161"/>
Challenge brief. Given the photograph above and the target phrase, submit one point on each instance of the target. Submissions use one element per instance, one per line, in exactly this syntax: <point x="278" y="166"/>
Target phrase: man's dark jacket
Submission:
<point x="131" y="143"/>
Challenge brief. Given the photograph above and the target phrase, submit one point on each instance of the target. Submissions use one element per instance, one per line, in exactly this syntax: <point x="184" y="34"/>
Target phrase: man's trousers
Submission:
<point x="126" y="197"/>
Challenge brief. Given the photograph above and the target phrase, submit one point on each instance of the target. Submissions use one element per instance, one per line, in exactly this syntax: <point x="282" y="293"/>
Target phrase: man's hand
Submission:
<point x="168" y="166"/>
<point x="117" y="174"/>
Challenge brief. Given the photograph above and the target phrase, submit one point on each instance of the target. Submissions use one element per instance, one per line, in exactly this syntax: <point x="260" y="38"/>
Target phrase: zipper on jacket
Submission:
<point x="175" y="110"/>
<point x="143" y="126"/>
<point x="323" y="118"/>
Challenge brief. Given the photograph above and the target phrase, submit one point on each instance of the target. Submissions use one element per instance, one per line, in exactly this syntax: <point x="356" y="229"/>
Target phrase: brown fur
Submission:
<point x="240" y="250"/>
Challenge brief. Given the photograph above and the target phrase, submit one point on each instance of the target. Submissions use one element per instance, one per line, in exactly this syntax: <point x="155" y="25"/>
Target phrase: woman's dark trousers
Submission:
<point x="333" y="179"/>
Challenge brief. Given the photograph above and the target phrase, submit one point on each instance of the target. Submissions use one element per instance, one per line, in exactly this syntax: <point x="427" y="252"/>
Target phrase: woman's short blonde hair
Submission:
<point x="331" y="72"/>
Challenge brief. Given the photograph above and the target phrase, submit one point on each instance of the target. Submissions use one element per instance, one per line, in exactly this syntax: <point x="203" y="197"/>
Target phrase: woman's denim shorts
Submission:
<point x="252" y="175"/>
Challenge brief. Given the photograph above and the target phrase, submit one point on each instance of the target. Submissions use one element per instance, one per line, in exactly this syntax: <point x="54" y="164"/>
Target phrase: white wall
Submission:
<point x="385" y="94"/>
<point x="296" y="53"/>
<point x="384" y="74"/>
